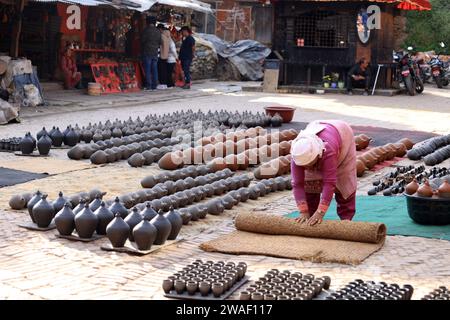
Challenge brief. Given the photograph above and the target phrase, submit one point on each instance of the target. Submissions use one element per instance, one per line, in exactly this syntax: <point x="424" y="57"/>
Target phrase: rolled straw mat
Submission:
<point x="259" y="233"/>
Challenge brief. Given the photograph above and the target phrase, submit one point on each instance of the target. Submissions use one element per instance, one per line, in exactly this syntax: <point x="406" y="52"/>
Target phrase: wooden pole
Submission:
<point x="14" y="50"/>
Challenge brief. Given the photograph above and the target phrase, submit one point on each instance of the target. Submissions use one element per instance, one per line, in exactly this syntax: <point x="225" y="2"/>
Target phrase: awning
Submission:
<point x="419" y="5"/>
<point x="189" y="4"/>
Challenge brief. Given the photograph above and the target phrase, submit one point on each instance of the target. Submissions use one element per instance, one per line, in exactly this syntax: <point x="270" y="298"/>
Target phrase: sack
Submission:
<point x="32" y="95"/>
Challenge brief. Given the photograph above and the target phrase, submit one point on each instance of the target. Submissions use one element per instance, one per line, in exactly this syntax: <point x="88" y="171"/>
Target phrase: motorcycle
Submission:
<point x="440" y="70"/>
<point x="409" y="72"/>
<point x="425" y="70"/>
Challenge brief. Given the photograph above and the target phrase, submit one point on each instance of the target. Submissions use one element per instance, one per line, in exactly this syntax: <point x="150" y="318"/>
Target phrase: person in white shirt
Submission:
<point x="171" y="62"/>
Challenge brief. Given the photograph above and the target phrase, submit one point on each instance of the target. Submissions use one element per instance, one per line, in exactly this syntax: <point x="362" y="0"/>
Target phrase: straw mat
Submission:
<point x="258" y="233"/>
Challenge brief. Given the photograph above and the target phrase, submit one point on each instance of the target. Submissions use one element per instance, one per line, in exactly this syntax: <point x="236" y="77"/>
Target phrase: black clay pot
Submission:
<point x="43" y="212"/>
<point x="104" y="216"/>
<point x="144" y="234"/>
<point x="44" y="144"/>
<point x="35" y="199"/>
<point x="163" y="225"/>
<point x="132" y="220"/>
<point x="215" y="207"/>
<point x="26" y="144"/>
<point x="60" y="202"/>
<point x="57" y="137"/>
<point x="176" y="222"/>
<point x="227" y="202"/>
<point x="71" y="138"/>
<point x="17" y="202"/>
<point x="41" y="133"/>
<point x="118" y="207"/>
<point x="86" y="222"/>
<point x="65" y="220"/>
<point x="117" y="231"/>
<point x="80" y="206"/>
<point x="95" y="204"/>
<point x="149" y="182"/>
<point x="244" y="193"/>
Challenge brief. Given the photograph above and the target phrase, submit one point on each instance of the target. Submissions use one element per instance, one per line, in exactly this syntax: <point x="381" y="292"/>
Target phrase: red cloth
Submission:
<point x="419" y="5"/>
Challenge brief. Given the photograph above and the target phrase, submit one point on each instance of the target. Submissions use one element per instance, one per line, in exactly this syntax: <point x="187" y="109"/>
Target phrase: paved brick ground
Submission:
<point x="35" y="265"/>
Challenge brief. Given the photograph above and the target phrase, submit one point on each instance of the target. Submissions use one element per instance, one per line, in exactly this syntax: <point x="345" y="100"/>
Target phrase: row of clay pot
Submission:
<point x="253" y="137"/>
<point x="437" y="156"/>
<point x="274" y="168"/>
<point x="186" y="197"/>
<point x="285" y="285"/>
<point x="69" y="137"/>
<point x="169" y="187"/>
<point x="362" y="141"/>
<point x="427" y="147"/>
<point x="189" y="171"/>
<point x="10" y="144"/>
<point x="28" y="144"/>
<point x="379" y="154"/>
<point x="425" y="190"/>
<point x="370" y="290"/>
<point x="235" y="158"/>
<point x="441" y="293"/>
<point x="28" y="200"/>
<point x="217" y="206"/>
<point x="206" y="279"/>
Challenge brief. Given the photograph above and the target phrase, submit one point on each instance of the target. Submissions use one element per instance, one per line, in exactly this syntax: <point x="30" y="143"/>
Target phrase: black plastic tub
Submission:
<point x="428" y="211"/>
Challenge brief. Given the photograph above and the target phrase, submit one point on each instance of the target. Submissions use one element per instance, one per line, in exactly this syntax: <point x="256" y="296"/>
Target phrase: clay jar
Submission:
<point x="176" y="222"/>
<point x="71" y="138"/>
<point x="44" y="144"/>
<point x="444" y="190"/>
<point x="360" y="168"/>
<point x="163" y="226"/>
<point x="425" y="190"/>
<point x="17" y="202"/>
<point x="57" y="137"/>
<point x="43" y="212"/>
<point x="60" y="202"/>
<point x="215" y="207"/>
<point x="95" y="204"/>
<point x="104" y="216"/>
<point x="65" y="220"/>
<point x="117" y="231"/>
<point x="148" y="212"/>
<point x="132" y="220"/>
<point x="412" y="187"/>
<point x="26" y="144"/>
<point x="144" y="234"/>
<point x="118" y="207"/>
<point x="86" y="222"/>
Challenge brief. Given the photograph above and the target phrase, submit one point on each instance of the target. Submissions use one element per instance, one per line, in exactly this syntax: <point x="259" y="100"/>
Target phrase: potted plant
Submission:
<point x="334" y="79"/>
<point x="326" y="81"/>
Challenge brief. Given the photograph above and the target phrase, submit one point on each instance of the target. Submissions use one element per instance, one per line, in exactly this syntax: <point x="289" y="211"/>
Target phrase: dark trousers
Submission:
<point x="186" y="65"/>
<point x="362" y="84"/>
<point x="162" y="71"/>
<point x="170" y="68"/>
<point x="151" y="71"/>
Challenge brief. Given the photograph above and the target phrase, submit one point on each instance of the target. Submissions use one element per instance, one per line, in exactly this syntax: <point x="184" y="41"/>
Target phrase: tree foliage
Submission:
<point x="426" y="29"/>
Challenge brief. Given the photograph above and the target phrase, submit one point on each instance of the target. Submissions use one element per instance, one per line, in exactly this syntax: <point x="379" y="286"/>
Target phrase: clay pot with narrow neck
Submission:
<point x="444" y="190"/>
<point x="95" y="204"/>
<point x="44" y="144"/>
<point x="35" y="199"/>
<point x="71" y="138"/>
<point x="65" y="220"/>
<point x="59" y="203"/>
<point x="148" y="211"/>
<point x="43" y="212"/>
<point x="41" y="133"/>
<point x="80" y="206"/>
<point x="17" y="202"/>
<point x="425" y="190"/>
<point x="163" y="226"/>
<point x="26" y="144"/>
<point x="132" y="220"/>
<point x="412" y="187"/>
<point x="86" y="222"/>
<point x="104" y="216"/>
<point x="57" y="137"/>
<point x="176" y="222"/>
<point x="117" y="231"/>
<point x="144" y="234"/>
<point x="118" y="207"/>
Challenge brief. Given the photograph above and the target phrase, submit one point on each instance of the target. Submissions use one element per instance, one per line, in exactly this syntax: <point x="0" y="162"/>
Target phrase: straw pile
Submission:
<point x="332" y="241"/>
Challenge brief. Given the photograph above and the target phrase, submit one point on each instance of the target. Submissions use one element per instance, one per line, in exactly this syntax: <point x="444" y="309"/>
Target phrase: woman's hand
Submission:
<point x="316" y="218"/>
<point x="302" y="218"/>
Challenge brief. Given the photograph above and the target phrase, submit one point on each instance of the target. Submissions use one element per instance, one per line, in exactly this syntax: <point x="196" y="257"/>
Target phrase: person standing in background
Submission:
<point x="150" y="43"/>
<point x="163" y="56"/>
<point x="187" y="52"/>
<point x="69" y="69"/>
<point x="171" y="62"/>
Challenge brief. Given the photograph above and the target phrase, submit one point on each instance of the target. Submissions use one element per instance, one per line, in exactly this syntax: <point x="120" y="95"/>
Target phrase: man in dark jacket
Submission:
<point x="186" y="55"/>
<point x="150" y="43"/>
<point x="359" y="77"/>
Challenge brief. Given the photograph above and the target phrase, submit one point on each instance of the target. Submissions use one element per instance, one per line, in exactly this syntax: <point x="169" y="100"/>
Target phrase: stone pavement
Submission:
<point x="35" y="265"/>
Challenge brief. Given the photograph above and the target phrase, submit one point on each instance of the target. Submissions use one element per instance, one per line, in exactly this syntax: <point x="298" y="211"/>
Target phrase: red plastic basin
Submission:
<point x="287" y="113"/>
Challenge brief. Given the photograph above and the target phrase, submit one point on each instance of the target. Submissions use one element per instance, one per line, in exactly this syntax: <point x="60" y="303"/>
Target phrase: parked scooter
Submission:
<point x="409" y="72"/>
<point x="440" y="70"/>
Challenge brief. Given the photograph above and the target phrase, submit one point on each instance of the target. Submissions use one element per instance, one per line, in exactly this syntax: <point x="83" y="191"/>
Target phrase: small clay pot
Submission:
<point x="217" y="289"/>
<point x="148" y="212"/>
<point x="44" y="144"/>
<point x="118" y="207"/>
<point x="176" y="222"/>
<point x="180" y="286"/>
<point x="65" y="220"/>
<point x="104" y="216"/>
<point x="163" y="226"/>
<point x="117" y="231"/>
<point x="425" y="190"/>
<point x="144" y="234"/>
<point x="17" y="202"/>
<point x="167" y="285"/>
<point x="444" y="190"/>
<point x="412" y="187"/>
<point x="86" y="222"/>
<point x="43" y="212"/>
<point x="132" y="220"/>
<point x="204" y="288"/>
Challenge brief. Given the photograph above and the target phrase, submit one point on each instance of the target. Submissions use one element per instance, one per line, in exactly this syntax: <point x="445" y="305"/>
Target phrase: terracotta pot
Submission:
<point x="401" y="149"/>
<point x="86" y="222"/>
<point x="444" y="190"/>
<point x="425" y="190"/>
<point x="407" y="142"/>
<point x="43" y="212"/>
<point x="412" y="187"/>
<point x="117" y="231"/>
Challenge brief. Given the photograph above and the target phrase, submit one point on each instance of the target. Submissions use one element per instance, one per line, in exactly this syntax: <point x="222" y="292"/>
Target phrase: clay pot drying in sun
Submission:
<point x="176" y="222"/>
<point x="407" y="142"/>
<point x="444" y="190"/>
<point x="43" y="212"/>
<point x="59" y="203"/>
<point x="425" y="190"/>
<point x="17" y="202"/>
<point x="99" y="157"/>
<point x="44" y="144"/>
<point x="117" y="231"/>
<point x="163" y="225"/>
<point x="26" y="144"/>
<point x="412" y="187"/>
<point x="104" y="216"/>
<point x="65" y="220"/>
<point x="360" y="168"/>
<point x="57" y="137"/>
<point x="86" y="222"/>
<point x="401" y="149"/>
<point x="136" y="160"/>
<point x="118" y="207"/>
<point x="132" y="220"/>
<point x="171" y="160"/>
<point x="144" y="234"/>
<point x="71" y="138"/>
<point x="35" y="199"/>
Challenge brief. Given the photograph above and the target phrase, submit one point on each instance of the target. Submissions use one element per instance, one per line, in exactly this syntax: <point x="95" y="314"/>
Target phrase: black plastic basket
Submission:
<point x="428" y="211"/>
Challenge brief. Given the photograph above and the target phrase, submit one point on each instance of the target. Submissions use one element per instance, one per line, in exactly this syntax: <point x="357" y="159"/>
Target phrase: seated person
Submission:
<point x="69" y="69"/>
<point x="359" y="77"/>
